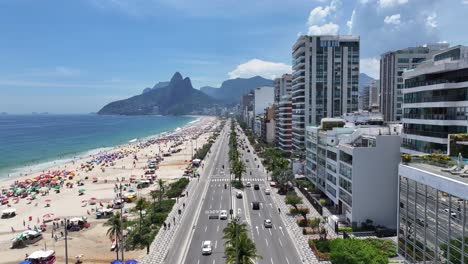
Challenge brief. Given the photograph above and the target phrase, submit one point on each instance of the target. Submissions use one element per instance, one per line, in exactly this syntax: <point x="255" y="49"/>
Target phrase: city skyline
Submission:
<point x="82" y="55"/>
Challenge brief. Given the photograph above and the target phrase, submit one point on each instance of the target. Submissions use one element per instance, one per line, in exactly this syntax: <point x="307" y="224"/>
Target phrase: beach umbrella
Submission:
<point x="117" y="261"/>
<point x="47" y="201"/>
<point x="131" y="261"/>
<point x="81" y="190"/>
<point x="25" y="262"/>
<point x="93" y="199"/>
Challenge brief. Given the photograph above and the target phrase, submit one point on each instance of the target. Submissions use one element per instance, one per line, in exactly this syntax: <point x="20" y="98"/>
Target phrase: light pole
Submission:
<point x="66" y="241"/>
<point x="122" y="239"/>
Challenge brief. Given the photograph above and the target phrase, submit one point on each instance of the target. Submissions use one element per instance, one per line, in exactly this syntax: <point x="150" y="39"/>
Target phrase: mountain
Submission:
<point x="363" y="80"/>
<point x="156" y="86"/>
<point x="177" y="98"/>
<point x="232" y="90"/>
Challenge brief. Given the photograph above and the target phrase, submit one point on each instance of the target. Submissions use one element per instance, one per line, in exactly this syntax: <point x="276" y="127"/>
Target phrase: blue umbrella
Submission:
<point x="117" y="261"/>
<point x="25" y="262"/>
<point x="131" y="261"/>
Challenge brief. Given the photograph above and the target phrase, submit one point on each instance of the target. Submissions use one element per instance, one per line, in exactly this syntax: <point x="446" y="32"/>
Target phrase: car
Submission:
<point x="272" y="184"/>
<point x="239" y="195"/>
<point x="207" y="247"/>
<point x="255" y="206"/>
<point x="248" y="184"/>
<point x="223" y="215"/>
<point x="267" y="223"/>
<point x="267" y="191"/>
<point x="256" y="187"/>
<point x="248" y="150"/>
<point x="452" y="214"/>
<point x="246" y="160"/>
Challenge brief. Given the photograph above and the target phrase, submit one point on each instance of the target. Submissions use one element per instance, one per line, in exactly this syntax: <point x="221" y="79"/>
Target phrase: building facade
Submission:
<point x="432" y="213"/>
<point x="283" y="115"/>
<point x="324" y="82"/>
<point x="392" y="66"/>
<point x="268" y="125"/>
<point x="370" y="96"/>
<point x="356" y="168"/>
<point x="435" y="101"/>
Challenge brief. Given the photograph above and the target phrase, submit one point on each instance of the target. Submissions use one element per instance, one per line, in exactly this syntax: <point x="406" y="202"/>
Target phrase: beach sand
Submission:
<point x="93" y="242"/>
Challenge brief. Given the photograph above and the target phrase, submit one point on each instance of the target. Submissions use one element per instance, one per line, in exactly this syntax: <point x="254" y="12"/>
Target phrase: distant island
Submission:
<point x="178" y="97"/>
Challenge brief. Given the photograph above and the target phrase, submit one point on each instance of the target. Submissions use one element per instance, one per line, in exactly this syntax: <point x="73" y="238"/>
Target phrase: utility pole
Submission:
<point x="66" y="241"/>
<point x="237" y="240"/>
<point x="122" y="239"/>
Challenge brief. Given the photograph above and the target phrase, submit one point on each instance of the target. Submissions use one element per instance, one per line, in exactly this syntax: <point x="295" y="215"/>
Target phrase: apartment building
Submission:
<point x="435" y="101"/>
<point x="324" y="81"/>
<point x="433" y="211"/>
<point x="370" y="96"/>
<point x="355" y="165"/>
<point x="392" y="66"/>
<point x="283" y="114"/>
<point x="268" y="125"/>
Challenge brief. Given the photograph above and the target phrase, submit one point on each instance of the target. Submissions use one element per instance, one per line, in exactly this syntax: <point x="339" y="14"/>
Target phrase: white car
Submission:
<point x="267" y="191"/>
<point x="248" y="184"/>
<point x="239" y="195"/>
<point x="267" y="223"/>
<point x="207" y="247"/>
<point x="223" y="215"/>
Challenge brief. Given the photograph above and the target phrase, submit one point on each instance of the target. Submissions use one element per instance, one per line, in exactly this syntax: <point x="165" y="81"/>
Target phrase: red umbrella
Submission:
<point x="49" y="215"/>
<point x="93" y="199"/>
<point x="47" y="201"/>
<point x="84" y="201"/>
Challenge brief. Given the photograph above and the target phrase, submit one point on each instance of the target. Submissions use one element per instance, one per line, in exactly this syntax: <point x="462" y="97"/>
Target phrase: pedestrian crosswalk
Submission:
<point x="244" y="180"/>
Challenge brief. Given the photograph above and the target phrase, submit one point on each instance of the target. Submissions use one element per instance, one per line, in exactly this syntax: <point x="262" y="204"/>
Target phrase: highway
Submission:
<point x="273" y="244"/>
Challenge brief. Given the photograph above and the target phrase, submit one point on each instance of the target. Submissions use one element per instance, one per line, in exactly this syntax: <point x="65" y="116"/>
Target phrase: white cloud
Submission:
<point x="391" y="3"/>
<point x="465" y="2"/>
<point x="393" y="19"/>
<point x="256" y="67"/>
<point x="66" y="71"/>
<point x="349" y="23"/>
<point x="327" y="29"/>
<point x="371" y="67"/>
<point x="431" y="20"/>
<point x="318" y="14"/>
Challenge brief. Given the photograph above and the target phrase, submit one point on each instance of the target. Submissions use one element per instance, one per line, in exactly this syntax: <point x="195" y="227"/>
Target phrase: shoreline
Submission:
<point x="35" y="168"/>
<point x="92" y="242"/>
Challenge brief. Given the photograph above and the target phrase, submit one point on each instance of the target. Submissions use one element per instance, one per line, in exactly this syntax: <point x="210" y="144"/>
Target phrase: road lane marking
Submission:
<point x="214" y="261"/>
<point x="274" y="227"/>
<point x="216" y="244"/>
<point x="211" y="206"/>
<point x="287" y="260"/>
<point x="266" y="241"/>
<point x="269" y="229"/>
<point x="271" y="260"/>
<point x="206" y="227"/>
<point x="220" y="205"/>
<point x="256" y="227"/>
<point x="281" y="243"/>
<point x="281" y="230"/>
<point x="217" y="228"/>
<point x="198" y="262"/>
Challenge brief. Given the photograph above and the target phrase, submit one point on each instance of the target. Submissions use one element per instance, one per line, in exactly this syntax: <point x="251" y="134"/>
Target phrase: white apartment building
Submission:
<point x="392" y="66"/>
<point x="263" y="98"/>
<point x="356" y="168"/>
<point x="432" y="212"/>
<point x="435" y="101"/>
<point x="325" y="80"/>
<point x="370" y="97"/>
<point x="283" y="115"/>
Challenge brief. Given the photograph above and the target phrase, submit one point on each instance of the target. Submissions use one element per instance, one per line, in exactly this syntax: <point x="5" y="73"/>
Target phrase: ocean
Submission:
<point x="32" y="142"/>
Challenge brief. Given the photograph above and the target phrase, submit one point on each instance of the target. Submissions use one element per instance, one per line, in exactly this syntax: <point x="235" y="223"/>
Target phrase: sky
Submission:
<point x="75" y="56"/>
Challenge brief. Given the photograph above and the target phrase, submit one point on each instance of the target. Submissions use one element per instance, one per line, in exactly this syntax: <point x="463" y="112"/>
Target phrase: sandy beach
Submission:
<point x="92" y="242"/>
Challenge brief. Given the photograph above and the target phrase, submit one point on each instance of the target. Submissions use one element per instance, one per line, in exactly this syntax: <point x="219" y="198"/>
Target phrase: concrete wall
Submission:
<point x="375" y="182"/>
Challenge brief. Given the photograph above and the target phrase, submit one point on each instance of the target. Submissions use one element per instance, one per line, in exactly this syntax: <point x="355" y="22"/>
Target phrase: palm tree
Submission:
<point x="115" y="230"/>
<point x="161" y="189"/>
<point x="140" y="206"/>
<point x="230" y="230"/>
<point x="238" y="168"/>
<point x="245" y="252"/>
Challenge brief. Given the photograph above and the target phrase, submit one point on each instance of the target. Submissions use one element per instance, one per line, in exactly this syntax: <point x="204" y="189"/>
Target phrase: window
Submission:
<point x="346" y="185"/>
<point x="403" y="60"/>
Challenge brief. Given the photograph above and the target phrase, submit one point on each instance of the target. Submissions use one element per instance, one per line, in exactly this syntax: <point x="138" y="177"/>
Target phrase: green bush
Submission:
<point x="299" y="210"/>
<point x="356" y="251"/>
<point x="237" y="184"/>
<point x="201" y="153"/>
<point x="177" y="188"/>
<point x="164" y="206"/>
<point x="321" y="248"/>
<point x="347" y="229"/>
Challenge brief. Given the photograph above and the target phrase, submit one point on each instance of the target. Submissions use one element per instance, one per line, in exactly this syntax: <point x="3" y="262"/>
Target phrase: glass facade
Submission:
<point x="433" y="226"/>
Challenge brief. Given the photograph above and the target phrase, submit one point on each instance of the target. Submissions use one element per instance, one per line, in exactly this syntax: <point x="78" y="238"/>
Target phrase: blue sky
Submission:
<point x="75" y="56"/>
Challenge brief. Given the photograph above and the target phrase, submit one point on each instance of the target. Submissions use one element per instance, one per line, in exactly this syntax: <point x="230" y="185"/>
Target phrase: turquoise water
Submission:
<point x="28" y="142"/>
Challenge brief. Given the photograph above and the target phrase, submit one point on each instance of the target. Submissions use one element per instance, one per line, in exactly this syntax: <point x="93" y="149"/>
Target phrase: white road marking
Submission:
<point x="216" y="244"/>
<point x="198" y="262"/>
<point x="266" y="241"/>
<point x="206" y="227"/>
<point x="263" y="226"/>
<point x="256" y="227"/>
<point x="221" y="197"/>
<point x="211" y="206"/>
<point x="271" y="205"/>
<point x="271" y="260"/>
<point x="214" y="261"/>
<point x="217" y="228"/>
<point x="274" y="227"/>
<point x="281" y="230"/>
<point x="281" y="243"/>
<point x="269" y="229"/>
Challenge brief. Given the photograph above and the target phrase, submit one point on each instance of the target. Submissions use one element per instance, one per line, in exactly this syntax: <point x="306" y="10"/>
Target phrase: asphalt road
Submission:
<point x="273" y="244"/>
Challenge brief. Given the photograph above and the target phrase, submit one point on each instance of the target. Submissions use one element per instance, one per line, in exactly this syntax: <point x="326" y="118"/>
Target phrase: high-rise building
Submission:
<point x="268" y="125"/>
<point x="354" y="164"/>
<point x="435" y="101"/>
<point x="370" y="96"/>
<point x="263" y="98"/>
<point x="325" y="80"/>
<point x="283" y="115"/>
<point x="392" y="66"/>
<point x="433" y="209"/>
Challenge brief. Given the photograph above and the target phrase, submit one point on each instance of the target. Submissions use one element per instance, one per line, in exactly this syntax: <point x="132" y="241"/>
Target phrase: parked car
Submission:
<point x="267" y="223"/>
<point x="207" y="247"/>
<point x="239" y="195"/>
<point x="223" y="215"/>
<point x="256" y="187"/>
